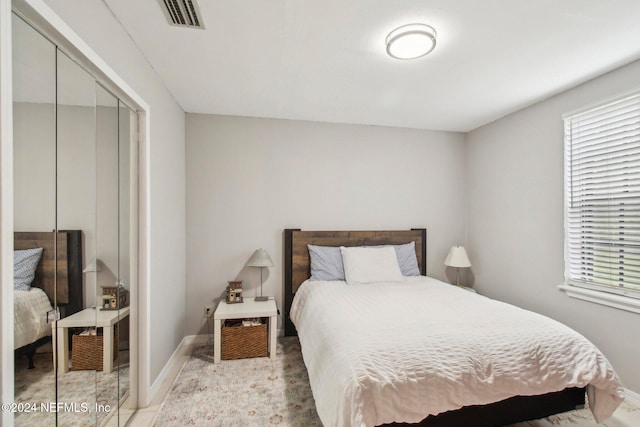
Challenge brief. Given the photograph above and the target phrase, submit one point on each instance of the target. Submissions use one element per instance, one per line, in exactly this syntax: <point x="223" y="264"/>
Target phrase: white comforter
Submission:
<point x="30" y="316"/>
<point x="380" y="353"/>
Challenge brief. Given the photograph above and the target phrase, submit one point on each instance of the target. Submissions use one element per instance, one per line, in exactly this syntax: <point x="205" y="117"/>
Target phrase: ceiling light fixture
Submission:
<point x="411" y="41"/>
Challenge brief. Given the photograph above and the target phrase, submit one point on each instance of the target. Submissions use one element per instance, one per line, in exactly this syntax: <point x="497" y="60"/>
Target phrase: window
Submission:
<point x="602" y="218"/>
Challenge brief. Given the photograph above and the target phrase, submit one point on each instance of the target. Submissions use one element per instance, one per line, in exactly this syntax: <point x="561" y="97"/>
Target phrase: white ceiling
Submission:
<point x="326" y="61"/>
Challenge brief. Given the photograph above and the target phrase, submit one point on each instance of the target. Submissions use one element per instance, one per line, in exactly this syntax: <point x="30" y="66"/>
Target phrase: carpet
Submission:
<point x="81" y="391"/>
<point x="583" y="415"/>
<point x="260" y="392"/>
<point x="246" y="392"/>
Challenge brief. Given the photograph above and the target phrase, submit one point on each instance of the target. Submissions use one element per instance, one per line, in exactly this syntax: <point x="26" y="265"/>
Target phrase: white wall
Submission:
<point x="248" y="179"/>
<point x="515" y="218"/>
<point x="164" y="205"/>
<point x="34" y="153"/>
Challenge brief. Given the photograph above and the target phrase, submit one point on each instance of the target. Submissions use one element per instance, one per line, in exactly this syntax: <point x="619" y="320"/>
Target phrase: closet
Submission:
<point x="75" y="195"/>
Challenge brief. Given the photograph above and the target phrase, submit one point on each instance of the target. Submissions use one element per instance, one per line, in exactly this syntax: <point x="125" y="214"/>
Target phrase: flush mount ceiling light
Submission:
<point x="411" y="41"/>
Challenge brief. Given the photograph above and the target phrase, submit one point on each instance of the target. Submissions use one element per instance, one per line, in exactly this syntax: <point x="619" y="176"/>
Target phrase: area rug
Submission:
<point x="261" y="392"/>
<point x="86" y="397"/>
<point x="246" y="392"/>
<point x="584" y="415"/>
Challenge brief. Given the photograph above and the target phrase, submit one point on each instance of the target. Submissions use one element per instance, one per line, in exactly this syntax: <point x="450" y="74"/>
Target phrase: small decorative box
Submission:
<point x="234" y="292"/>
<point x="114" y="297"/>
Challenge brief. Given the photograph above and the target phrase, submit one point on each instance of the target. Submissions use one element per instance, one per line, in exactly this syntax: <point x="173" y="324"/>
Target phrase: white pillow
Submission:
<point x="370" y="265"/>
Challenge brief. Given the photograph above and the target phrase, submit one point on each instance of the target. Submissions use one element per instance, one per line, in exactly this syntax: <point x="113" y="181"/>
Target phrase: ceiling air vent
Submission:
<point x="182" y="13"/>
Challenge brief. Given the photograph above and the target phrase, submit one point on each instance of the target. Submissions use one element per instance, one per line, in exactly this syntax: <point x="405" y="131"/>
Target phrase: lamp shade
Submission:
<point x="94" y="266"/>
<point x="457" y="258"/>
<point x="260" y="258"/>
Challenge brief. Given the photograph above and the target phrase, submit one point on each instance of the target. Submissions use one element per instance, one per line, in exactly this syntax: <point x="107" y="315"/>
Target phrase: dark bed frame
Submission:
<point x="509" y="411"/>
<point x="59" y="274"/>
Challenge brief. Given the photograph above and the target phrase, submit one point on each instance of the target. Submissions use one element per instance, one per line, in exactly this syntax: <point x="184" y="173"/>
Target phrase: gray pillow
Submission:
<point x="326" y="261"/>
<point x="407" y="259"/>
<point x="25" y="263"/>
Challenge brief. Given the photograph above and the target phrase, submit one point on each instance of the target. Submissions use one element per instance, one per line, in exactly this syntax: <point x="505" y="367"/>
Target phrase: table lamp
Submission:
<point x="457" y="258"/>
<point x="260" y="258"/>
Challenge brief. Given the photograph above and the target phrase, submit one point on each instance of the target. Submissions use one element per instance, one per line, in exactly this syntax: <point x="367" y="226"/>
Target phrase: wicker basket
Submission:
<point x="87" y="350"/>
<point x="241" y="342"/>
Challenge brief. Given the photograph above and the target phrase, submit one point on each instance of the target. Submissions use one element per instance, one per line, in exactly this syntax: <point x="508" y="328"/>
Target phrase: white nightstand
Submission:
<point x="244" y="310"/>
<point x="89" y="317"/>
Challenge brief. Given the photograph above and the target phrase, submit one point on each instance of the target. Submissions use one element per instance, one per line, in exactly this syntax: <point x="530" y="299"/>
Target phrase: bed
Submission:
<point x="423" y="352"/>
<point x="58" y="279"/>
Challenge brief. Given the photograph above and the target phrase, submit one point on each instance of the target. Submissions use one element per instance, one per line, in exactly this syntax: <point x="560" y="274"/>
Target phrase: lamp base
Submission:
<point x="261" y="299"/>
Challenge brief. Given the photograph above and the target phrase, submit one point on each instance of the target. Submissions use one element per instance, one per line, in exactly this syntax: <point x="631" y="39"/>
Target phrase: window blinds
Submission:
<point x="603" y="196"/>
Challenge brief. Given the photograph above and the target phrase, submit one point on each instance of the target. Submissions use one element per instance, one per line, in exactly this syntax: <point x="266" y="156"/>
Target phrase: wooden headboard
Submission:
<point x="61" y="278"/>
<point x="297" y="262"/>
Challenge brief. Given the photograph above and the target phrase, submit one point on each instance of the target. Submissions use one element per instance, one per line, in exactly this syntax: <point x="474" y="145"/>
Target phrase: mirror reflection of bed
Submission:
<point x="48" y="270"/>
<point x="34" y="299"/>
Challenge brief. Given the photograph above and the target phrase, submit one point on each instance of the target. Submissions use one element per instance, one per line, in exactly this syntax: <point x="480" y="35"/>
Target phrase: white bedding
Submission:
<point x="30" y="311"/>
<point x="379" y="353"/>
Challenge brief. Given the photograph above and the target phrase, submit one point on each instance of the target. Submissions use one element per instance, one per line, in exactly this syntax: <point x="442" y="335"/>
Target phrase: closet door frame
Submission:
<point x="38" y="14"/>
<point x="6" y="211"/>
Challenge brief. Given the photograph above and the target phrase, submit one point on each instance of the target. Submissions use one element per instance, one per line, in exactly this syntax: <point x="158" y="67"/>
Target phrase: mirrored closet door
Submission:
<point x="34" y="177"/>
<point x="76" y="203"/>
<point x="75" y="161"/>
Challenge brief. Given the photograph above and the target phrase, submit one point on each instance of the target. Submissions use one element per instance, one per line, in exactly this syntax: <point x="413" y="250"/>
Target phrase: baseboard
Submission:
<point x="632" y="397"/>
<point x="196" y="340"/>
<point x="173" y="366"/>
